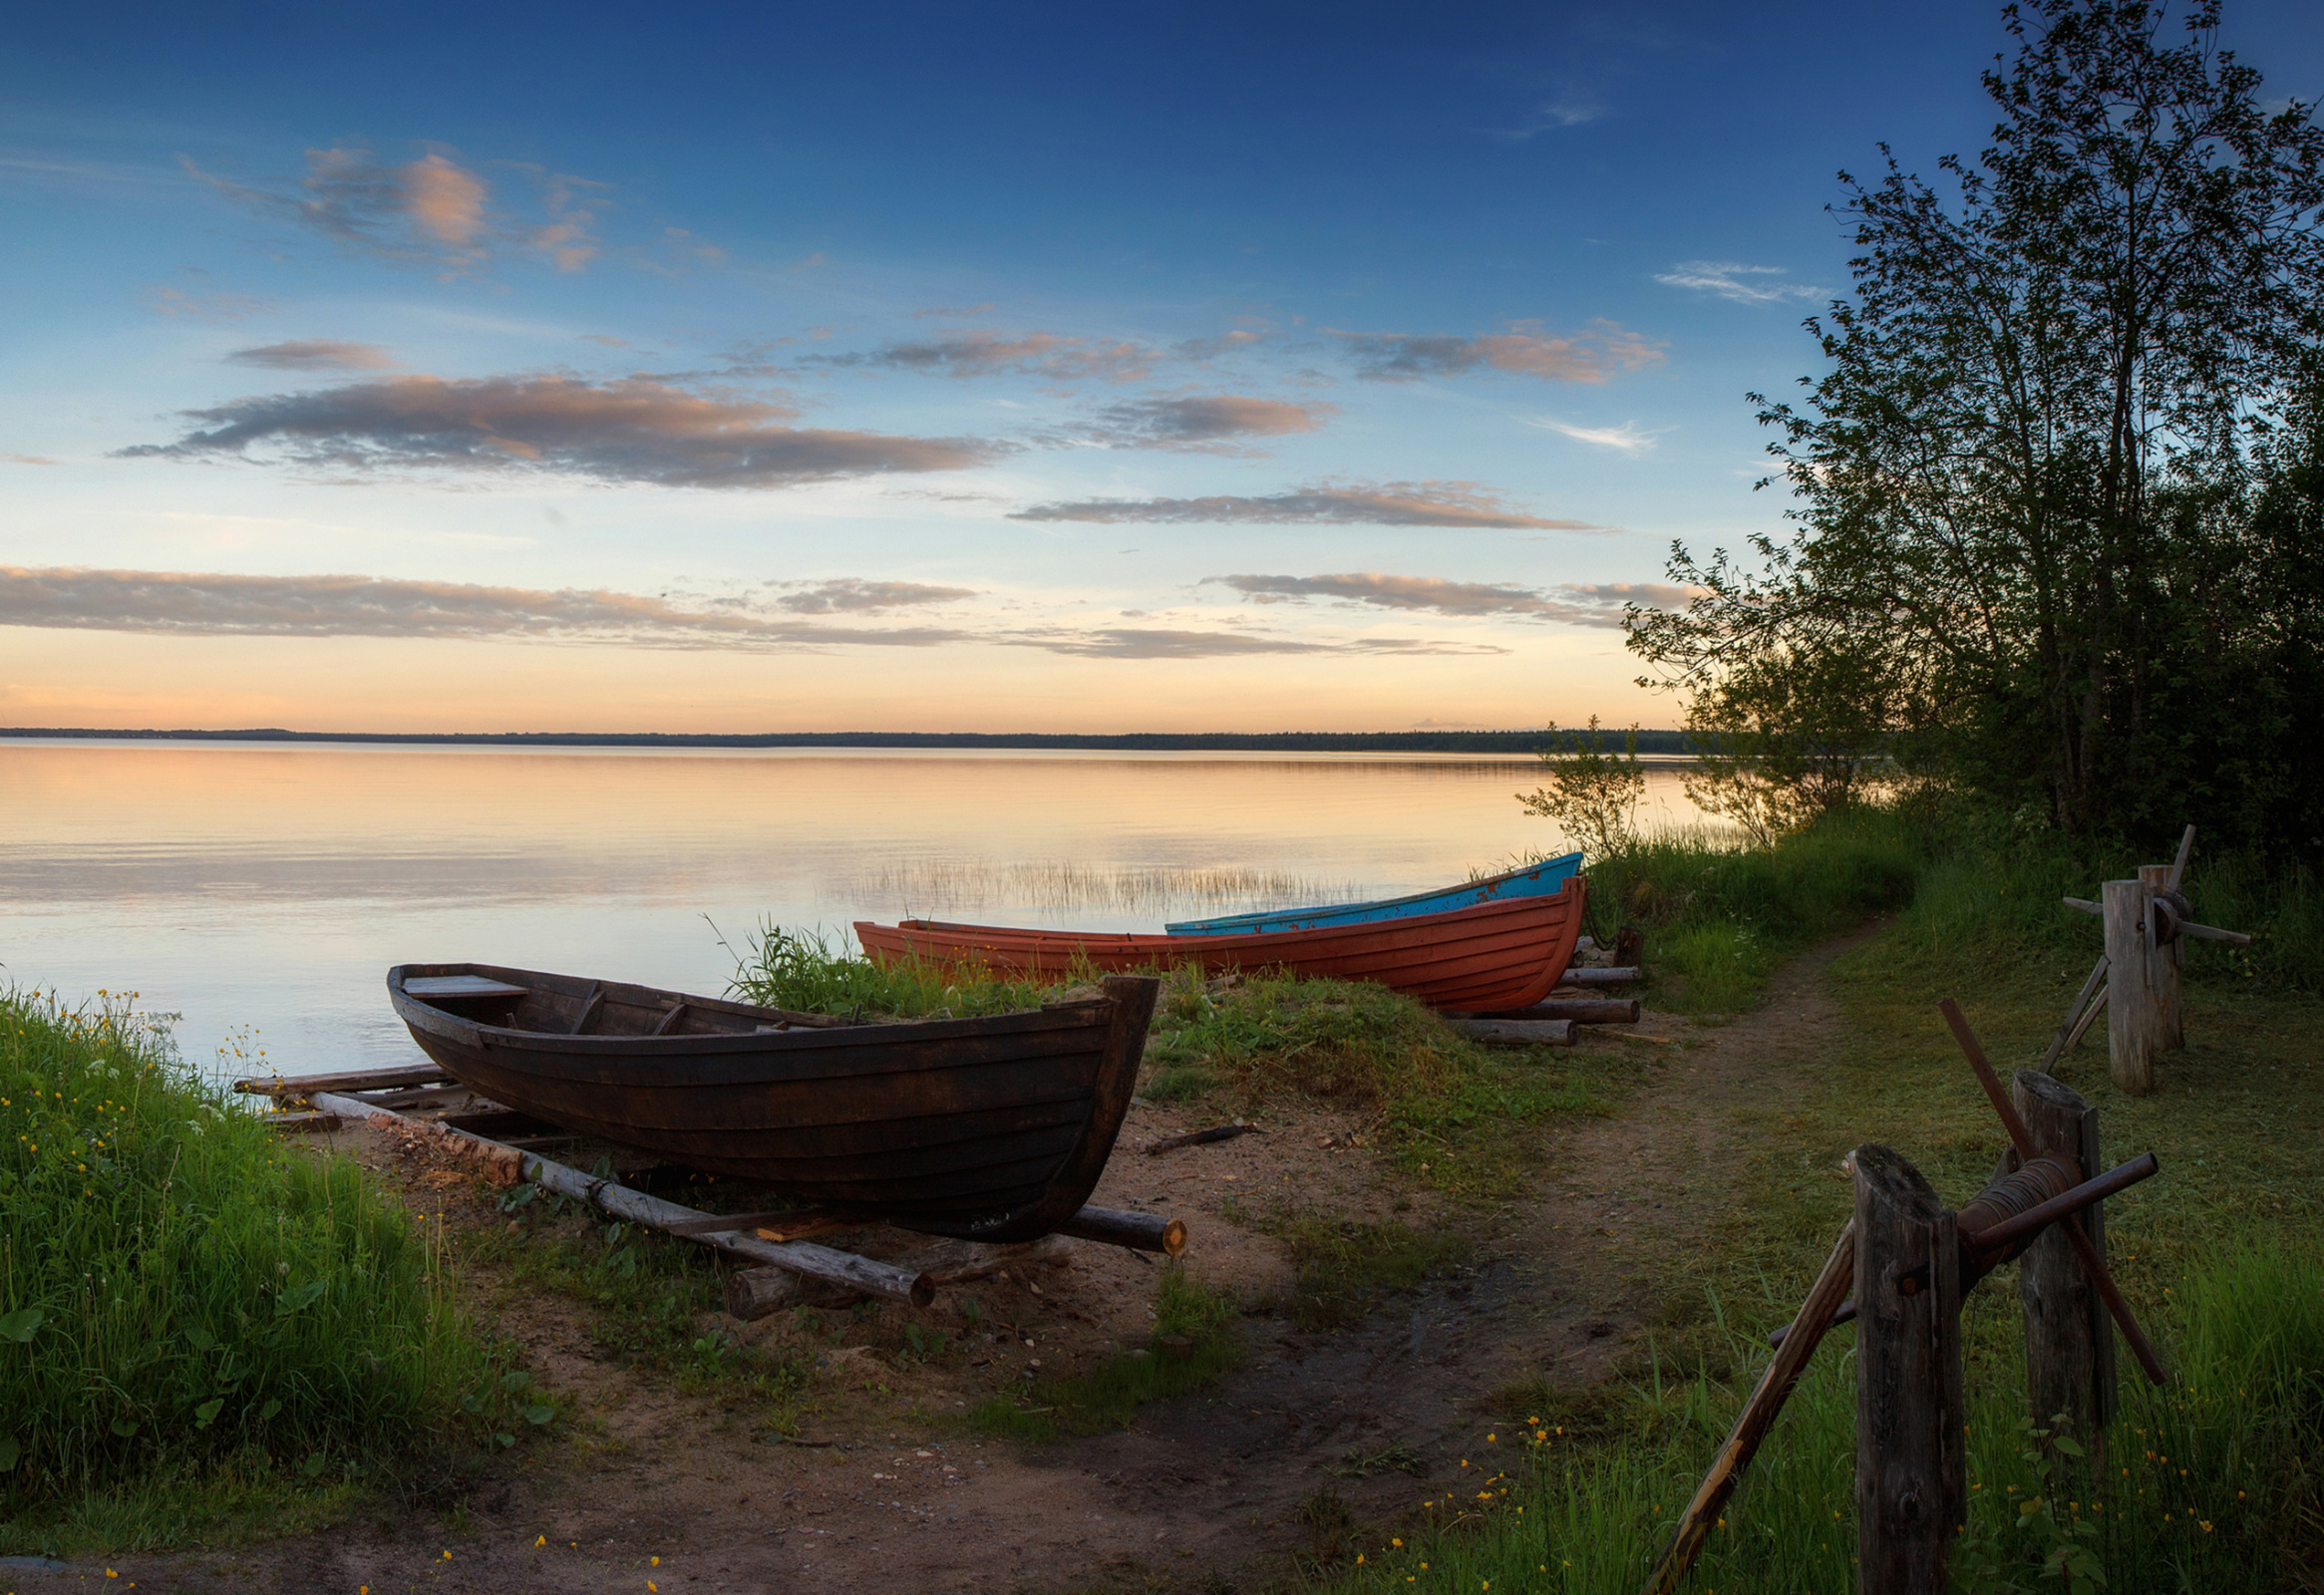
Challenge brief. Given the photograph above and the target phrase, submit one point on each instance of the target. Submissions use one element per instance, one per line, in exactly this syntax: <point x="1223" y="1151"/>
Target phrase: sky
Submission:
<point x="910" y="366"/>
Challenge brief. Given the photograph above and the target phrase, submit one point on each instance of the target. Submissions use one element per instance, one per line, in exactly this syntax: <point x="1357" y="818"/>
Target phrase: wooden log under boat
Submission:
<point x="993" y="1129"/>
<point x="1484" y="959"/>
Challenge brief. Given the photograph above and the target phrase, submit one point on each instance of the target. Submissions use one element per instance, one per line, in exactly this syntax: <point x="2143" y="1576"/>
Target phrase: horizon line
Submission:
<point x="1447" y="740"/>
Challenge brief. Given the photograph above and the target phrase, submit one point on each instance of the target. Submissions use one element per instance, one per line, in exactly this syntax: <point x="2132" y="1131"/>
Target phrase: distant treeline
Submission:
<point x="1277" y="742"/>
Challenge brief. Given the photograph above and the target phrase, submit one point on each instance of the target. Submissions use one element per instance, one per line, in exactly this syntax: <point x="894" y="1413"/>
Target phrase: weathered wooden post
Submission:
<point x="2163" y="961"/>
<point x="2069" y="1345"/>
<point x="2133" y="1027"/>
<point x="1911" y="1451"/>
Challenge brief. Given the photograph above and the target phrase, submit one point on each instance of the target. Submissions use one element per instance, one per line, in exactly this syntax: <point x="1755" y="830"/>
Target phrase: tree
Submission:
<point x="1592" y="794"/>
<point x="2101" y="326"/>
<point x="1790" y="733"/>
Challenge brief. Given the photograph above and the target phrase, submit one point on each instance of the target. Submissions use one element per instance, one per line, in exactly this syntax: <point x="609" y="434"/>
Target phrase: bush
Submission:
<point x="177" y="1289"/>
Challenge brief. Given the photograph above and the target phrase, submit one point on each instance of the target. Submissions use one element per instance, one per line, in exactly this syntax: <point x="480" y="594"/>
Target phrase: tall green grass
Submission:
<point x="1720" y="916"/>
<point x="810" y="972"/>
<point x="177" y="1290"/>
<point x="2210" y="1484"/>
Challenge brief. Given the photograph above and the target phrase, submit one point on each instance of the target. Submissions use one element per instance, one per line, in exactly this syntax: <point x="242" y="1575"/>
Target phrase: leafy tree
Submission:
<point x="2028" y="469"/>
<point x="1788" y="733"/>
<point x="1592" y="794"/>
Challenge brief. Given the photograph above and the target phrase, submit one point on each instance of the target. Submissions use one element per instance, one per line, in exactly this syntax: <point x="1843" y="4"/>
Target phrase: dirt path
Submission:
<point x="1381" y="1416"/>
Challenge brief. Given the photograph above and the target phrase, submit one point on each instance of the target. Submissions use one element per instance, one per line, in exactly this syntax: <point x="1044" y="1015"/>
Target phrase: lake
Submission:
<point x="260" y="890"/>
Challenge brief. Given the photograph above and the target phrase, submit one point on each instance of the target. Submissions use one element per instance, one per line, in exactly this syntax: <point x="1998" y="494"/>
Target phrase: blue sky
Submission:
<point x="1060" y="368"/>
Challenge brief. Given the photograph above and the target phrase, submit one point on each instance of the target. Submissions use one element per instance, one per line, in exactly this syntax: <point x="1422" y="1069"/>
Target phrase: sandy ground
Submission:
<point x="885" y="1488"/>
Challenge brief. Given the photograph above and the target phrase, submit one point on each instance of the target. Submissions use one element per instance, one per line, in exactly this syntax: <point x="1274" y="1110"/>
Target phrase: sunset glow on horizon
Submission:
<point x="1042" y="369"/>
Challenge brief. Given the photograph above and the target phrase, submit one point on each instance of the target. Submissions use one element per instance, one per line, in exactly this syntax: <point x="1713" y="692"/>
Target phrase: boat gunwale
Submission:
<point x="1331" y="910"/>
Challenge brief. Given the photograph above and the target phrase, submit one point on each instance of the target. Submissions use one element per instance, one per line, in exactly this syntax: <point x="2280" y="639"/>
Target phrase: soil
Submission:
<point x="885" y="1486"/>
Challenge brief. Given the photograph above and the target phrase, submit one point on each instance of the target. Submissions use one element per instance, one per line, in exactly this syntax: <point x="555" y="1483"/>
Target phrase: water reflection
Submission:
<point x="269" y="886"/>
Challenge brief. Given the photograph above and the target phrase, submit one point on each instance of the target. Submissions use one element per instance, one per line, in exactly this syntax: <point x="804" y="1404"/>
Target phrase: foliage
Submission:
<point x="1720" y="916"/>
<point x="1592" y="794"/>
<point x="802" y="971"/>
<point x="1787" y="733"/>
<point x="178" y="1292"/>
<point x="2056" y="485"/>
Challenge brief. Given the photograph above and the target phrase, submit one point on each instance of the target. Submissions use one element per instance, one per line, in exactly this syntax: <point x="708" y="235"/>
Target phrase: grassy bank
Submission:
<point x="2212" y="1485"/>
<point x="194" y="1324"/>
<point x="2209" y="1484"/>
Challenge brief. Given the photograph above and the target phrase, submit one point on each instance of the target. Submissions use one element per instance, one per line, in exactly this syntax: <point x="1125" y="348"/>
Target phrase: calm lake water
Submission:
<point x="260" y="891"/>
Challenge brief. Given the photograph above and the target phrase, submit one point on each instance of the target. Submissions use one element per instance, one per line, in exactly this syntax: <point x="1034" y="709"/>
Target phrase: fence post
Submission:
<point x="2133" y="1027"/>
<point x="2163" y="967"/>
<point x="1911" y="1451"/>
<point x="2069" y="1345"/>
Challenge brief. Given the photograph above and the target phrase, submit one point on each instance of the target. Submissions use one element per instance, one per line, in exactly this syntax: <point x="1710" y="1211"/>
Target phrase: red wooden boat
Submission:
<point x="1494" y="956"/>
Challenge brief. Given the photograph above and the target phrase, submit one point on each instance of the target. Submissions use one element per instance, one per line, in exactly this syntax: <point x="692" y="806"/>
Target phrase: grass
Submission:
<point x="2210" y="1482"/>
<point x="2218" y="1255"/>
<point x="193" y="1322"/>
<point x="645" y="1295"/>
<point x="1453" y="1114"/>
<point x="1342" y="1269"/>
<point x="1196" y="1343"/>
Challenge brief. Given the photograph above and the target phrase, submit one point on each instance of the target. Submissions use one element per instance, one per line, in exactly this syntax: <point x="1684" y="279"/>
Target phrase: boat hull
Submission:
<point x="1495" y="955"/>
<point x="1533" y="880"/>
<point x="992" y="1128"/>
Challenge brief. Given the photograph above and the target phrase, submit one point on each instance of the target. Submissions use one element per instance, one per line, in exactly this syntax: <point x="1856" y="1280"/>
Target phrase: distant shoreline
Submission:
<point x="1349" y="742"/>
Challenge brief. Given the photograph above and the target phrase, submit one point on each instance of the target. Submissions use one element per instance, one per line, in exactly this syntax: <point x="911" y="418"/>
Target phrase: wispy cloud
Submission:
<point x="206" y="604"/>
<point x="219" y="605"/>
<point x="976" y="353"/>
<point x="1524" y="350"/>
<point x="1569" y="110"/>
<point x="1393" y="504"/>
<point x="432" y="209"/>
<point x="314" y="354"/>
<point x="959" y="312"/>
<point x="855" y="594"/>
<point x="201" y="304"/>
<point x="1573" y="603"/>
<point x="630" y="430"/>
<point x="1145" y="642"/>
<point x="27" y="459"/>
<point x="1732" y="279"/>
<point x="1206" y="421"/>
<point x="1629" y="436"/>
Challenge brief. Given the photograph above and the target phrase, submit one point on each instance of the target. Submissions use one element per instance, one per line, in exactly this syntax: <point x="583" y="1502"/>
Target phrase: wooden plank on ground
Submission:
<point x="400" y="1077"/>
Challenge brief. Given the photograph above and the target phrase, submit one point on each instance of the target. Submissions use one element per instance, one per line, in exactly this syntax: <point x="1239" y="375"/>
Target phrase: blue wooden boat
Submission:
<point x="1544" y="879"/>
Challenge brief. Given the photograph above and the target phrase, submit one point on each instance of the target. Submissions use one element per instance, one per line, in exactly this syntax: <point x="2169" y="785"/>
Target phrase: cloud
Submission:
<point x="634" y="430"/>
<point x="1567" y="111"/>
<point x="853" y="593"/>
<point x="1232" y="342"/>
<point x="1732" y="279"/>
<point x="201" y="305"/>
<point x="314" y="354"/>
<point x="219" y="605"/>
<point x="198" y="604"/>
<point x="975" y="353"/>
<point x="1208" y="421"/>
<point x="27" y="459"/>
<point x="1392" y="503"/>
<point x="1145" y="642"/>
<point x="984" y="309"/>
<point x="1629" y="436"/>
<point x="433" y="210"/>
<point x="1573" y="603"/>
<point x="1524" y="350"/>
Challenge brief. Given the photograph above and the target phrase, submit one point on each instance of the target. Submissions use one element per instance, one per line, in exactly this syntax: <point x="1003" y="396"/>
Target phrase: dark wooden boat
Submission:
<point x="1507" y="953"/>
<point x="993" y="1130"/>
